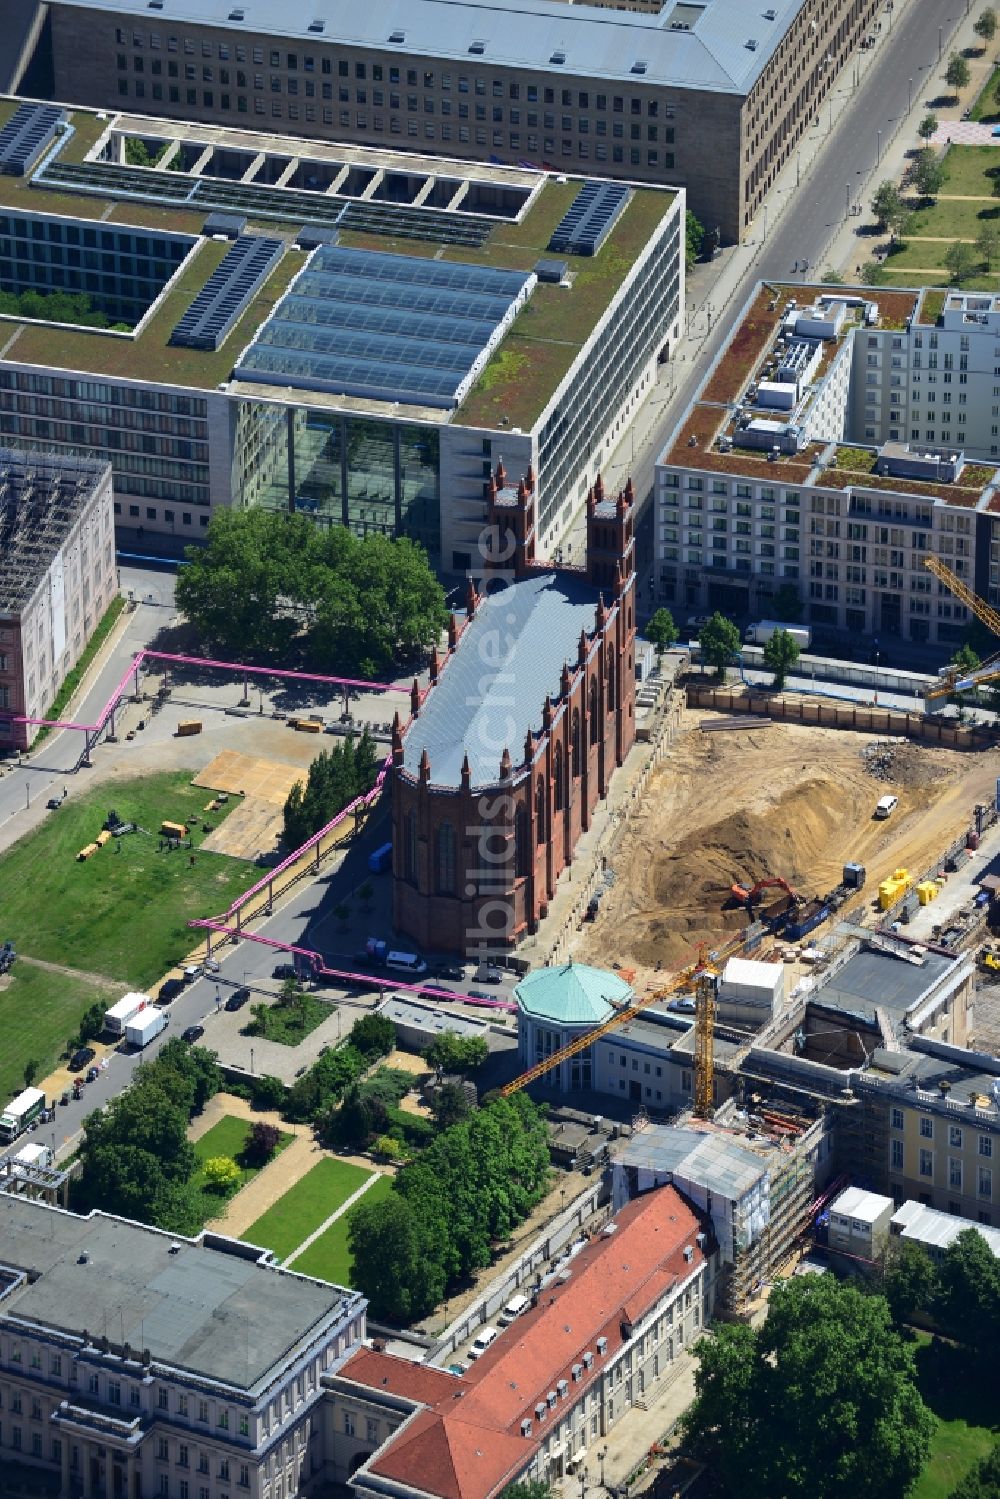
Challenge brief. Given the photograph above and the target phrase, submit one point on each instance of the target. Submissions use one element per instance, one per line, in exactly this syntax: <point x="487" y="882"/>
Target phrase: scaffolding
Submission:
<point x="42" y="496"/>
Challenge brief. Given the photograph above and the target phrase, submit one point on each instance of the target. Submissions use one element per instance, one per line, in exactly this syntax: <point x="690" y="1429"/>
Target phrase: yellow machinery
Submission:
<point x="893" y="887"/>
<point x="703" y="971"/>
<point x="989" y="671"/>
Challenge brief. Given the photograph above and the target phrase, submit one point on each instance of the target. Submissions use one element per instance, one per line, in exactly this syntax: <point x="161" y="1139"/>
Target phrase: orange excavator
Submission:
<point x="749" y="897"/>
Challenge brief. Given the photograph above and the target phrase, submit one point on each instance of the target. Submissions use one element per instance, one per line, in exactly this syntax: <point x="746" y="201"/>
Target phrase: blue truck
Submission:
<point x="380" y="862"/>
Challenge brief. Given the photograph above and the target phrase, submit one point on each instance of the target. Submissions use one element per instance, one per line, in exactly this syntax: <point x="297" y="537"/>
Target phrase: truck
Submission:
<point x="761" y="632"/>
<point x="380" y="862"/>
<point x="19" y="1113"/>
<point x="144" y="1026"/>
<point x="119" y="1015"/>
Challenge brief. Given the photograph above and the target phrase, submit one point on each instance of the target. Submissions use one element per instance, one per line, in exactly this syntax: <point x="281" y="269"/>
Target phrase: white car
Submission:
<point x="486" y="1337"/>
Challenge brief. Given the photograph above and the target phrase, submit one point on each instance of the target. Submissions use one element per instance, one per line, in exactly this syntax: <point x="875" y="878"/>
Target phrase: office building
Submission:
<point x="369" y="368"/>
<point x="526" y="720"/>
<point x="134" y="1363"/>
<point x="842" y="439"/>
<point x="57" y="578"/>
<point x="708" y="95"/>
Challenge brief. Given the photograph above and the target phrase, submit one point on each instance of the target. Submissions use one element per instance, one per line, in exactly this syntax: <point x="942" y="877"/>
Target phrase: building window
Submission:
<point x="410" y="848"/>
<point x="559" y="778"/>
<point x="540" y="811"/>
<point x="986" y="1182"/>
<point x="897" y="1119"/>
<point x="985" y="1145"/>
<point x="594" y="713"/>
<point x="955" y="1136"/>
<point x="926" y="1163"/>
<point x="445" y="860"/>
<point x="896" y="1155"/>
<point x="576" y="741"/>
<point x="521" y="850"/>
<point x="926" y="1128"/>
<point x="348" y="1424"/>
<point x="955" y="1173"/>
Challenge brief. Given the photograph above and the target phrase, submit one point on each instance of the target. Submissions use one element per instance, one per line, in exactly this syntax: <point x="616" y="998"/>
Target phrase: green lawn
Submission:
<point x="305" y="1206"/>
<point x="39" y="1010"/>
<point x="951" y="218"/>
<point x="966" y="1409"/>
<point x="288" y="1024"/>
<point x="122" y="916"/>
<point x="985" y="106"/>
<point x="329" y="1258"/>
<point x="228" y="1137"/>
<point x="971" y="169"/>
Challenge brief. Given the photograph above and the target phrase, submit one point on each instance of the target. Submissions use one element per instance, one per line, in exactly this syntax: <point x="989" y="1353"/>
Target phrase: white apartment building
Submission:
<point x="834" y="448"/>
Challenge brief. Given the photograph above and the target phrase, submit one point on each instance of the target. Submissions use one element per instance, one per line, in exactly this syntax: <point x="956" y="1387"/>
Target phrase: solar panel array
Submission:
<point x="401" y="220"/>
<point x="586" y="225"/>
<point x="25" y="136"/>
<point x="385" y="327"/>
<point x="228" y="291"/>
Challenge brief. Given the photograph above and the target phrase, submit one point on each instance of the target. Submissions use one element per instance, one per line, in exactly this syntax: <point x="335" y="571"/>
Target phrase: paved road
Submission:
<point x="25" y="789"/>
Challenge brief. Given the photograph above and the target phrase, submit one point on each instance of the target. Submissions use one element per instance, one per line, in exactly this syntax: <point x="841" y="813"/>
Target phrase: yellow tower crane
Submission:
<point x="989" y="671"/>
<point x="704" y="972"/>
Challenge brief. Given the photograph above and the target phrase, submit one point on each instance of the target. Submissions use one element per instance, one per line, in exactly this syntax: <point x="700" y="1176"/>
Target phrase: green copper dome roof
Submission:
<point x="573" y="994"/>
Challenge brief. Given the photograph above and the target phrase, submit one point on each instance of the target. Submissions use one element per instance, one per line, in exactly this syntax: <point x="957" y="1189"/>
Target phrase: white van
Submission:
<point x="513" y="1309"/>
<point x="405" y="962"/>
<point x="885" y="806"/>
<point x="486" y="1337"/>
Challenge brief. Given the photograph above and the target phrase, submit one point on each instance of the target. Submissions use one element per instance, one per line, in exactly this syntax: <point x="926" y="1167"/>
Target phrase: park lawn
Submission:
<point x="120" y="916"/>
<point x="950" y="218"/>
<point x="964" y="1402"/>
<point x="305" y="1206"/>
<point x="919" y="255"/>
<point x="39" y="1011"/>
<point x="985" y="107"/>
<point x="971" y="169"/>
<point x="329" y="1258"/>
<point x="228" y="1137"/>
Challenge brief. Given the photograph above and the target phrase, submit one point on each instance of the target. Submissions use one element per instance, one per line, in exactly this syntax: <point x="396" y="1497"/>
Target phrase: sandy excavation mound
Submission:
<point x="786" y="800"/>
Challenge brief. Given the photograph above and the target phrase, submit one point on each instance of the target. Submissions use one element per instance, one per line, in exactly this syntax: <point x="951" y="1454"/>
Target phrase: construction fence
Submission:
<point x="885" y="722"/>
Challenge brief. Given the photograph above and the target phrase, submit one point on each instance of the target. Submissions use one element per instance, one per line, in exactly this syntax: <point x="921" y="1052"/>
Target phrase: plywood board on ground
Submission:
<point x="252" y="828"/>
<point x="271" y="780"/>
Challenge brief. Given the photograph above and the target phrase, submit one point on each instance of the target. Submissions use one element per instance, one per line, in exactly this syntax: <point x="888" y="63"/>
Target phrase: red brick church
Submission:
<point x="528" y="715"/>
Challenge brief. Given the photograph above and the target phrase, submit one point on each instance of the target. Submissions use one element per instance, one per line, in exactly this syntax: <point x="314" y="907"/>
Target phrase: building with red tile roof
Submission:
<point x="601" y="1330"/>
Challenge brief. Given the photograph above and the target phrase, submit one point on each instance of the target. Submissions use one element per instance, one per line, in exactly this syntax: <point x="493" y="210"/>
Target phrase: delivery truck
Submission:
<point x="119" y="1015"/>
<point x="761" y="632"/>
<point x="19" y="1113"/>
<point x="30" y="1156"/>
<point x="144" y="1026"/>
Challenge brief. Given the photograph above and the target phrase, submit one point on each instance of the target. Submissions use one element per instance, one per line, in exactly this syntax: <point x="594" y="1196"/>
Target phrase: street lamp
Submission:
<point x="583" y="1482"/>
<point x="909" y="96"/>
<point x="878" y="147"/>
<point x="847" y="200"/>
<point x="600" y="1458"/>
<point x="251" y="1061"/>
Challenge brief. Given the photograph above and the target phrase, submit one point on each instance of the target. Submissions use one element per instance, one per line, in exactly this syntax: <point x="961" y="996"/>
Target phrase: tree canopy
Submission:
<point x="957" y="72"/>
<point x="960" y="260"/>
<point x="470" y="1187"/>
<point x="927" y="173"/>
<point x="719" y="640"/>
<point x="888" y="207"/>
<point x="450" y="1052"/>
<point x="928" y="125"/>
<point x="269" y="586"/>
<point x="661" y="630"/>
<point x="984" y="1480"/>
<point x="694" y="238"/>
<point x="335" y="778"/>
<point x="819" y="1403"/>
<point x="985" y="25"/>
<point x="781" y="652"/>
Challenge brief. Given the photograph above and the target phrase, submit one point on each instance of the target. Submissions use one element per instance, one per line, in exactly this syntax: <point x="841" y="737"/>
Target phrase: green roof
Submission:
<point x="574" y="994"/>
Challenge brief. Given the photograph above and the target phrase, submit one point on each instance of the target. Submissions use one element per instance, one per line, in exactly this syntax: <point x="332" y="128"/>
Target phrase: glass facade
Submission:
<point x="344" y="470"/>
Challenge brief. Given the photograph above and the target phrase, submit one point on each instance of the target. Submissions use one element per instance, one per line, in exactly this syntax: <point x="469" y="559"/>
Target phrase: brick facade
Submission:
<point x="475" y="866"/>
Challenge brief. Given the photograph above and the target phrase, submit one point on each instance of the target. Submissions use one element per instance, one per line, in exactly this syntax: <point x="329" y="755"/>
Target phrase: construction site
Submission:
<point x="781" y="802"/>
<point x="57" y="576"/>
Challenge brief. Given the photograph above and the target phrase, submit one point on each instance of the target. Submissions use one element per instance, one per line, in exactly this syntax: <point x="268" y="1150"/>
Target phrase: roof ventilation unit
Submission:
<point x="558" y="57"/>
<point x="602" y="1345"/>
<point x="317" y="24"/>
<point x="752" y="44"/>
<point x="478" y="48"/>
<point x="640" y="65"/>
<point x="154" y="4"/>
<point x="397" y="37"/>
<point x="770" y="15"/>
<point x="237" y="13"/>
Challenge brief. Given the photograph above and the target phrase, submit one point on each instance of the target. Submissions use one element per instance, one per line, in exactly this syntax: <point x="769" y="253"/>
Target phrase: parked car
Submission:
<point x="238" y="998"/>
<point x="192" y="1034"/>
<point x="54" y="803"/>
<point x="93" y="1073"/>
<point x="486" y="1337"/>
<point x="81" y="1058"/>
<point x="170" y="990"/>
<point x="682" y="1006"/>
<point x="481" y="994"/>
<point x="489" y="973"/>
<point x="284" y="971"/>
<point x="451" y="971"/>
<point x="191" y="972"/>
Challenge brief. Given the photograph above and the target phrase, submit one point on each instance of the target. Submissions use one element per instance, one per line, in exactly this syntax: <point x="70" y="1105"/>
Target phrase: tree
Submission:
<point x="927" y="173"/>
<point x="911" y="1283"/>
<point x="694" y="238"/>
<point x="452" y="1053"/>
<point x="661" y="631"/>
<point x="269" y="1092"/>
<point x="373" y="1035"/>
<point x="957" y="73"/>
<point x="786" y="603"/>
<point x="871" y="274"/>
<point x="983" y="1482"/>
<point x="261" y="1143"/>
<point x="290" y="992"/>
<point x="30" y="1072"/>
<point x="366" y="893"/>
<point x="821" y="1402"/>
<point x="968" y="1304"/>
<point x="272" y="586"/>
<point x="719" y="640"/>
<point x="336" y="777"/>
<point x="986" y="25"/>
<point x="965" y="658"/>
<point x="449" y="1105"/>
<point x="781" y="652"/>
<point x="388" y="1147"/>
<point x="927" y="127"/>
<point x="830" y="277"/>
<point x="528" y="1488"/>
<point x="888" y="207"/>
<point x="397" y="1260"/>
<point x="221" y="1174"/>
<point x="361" y="1117"/>
<point x="91" y="1025"/>
<point x="960" y="260"/>
<point x="988" y="244"/>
